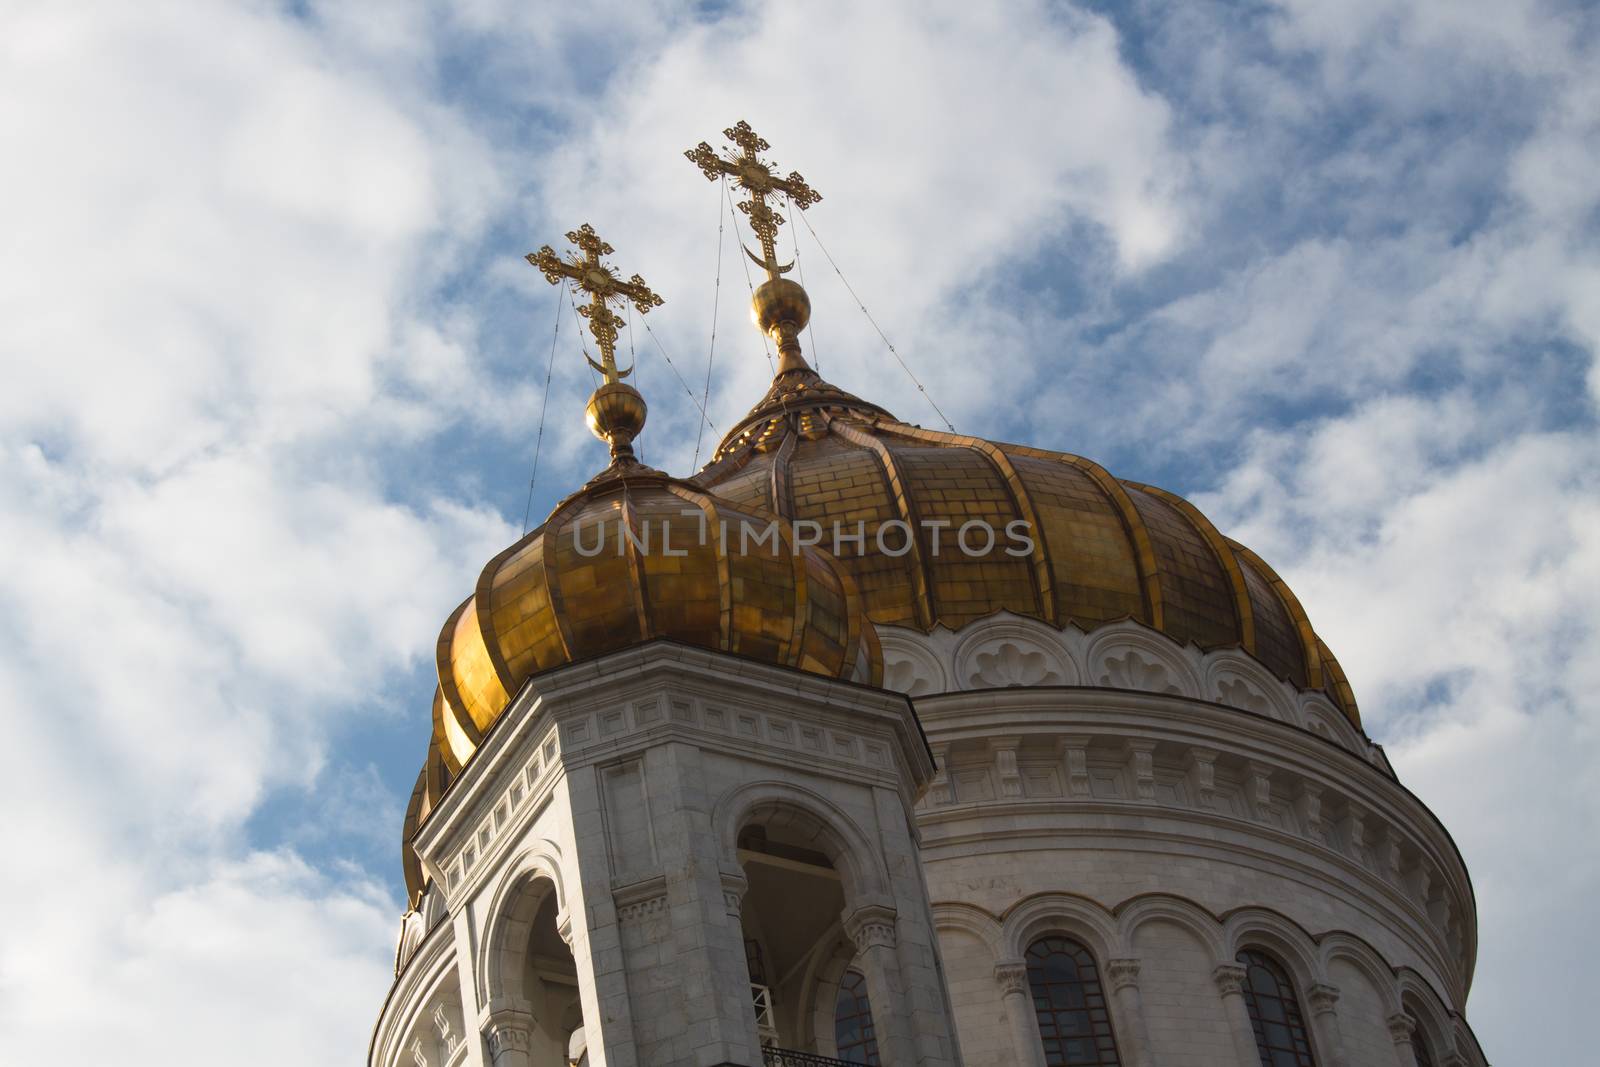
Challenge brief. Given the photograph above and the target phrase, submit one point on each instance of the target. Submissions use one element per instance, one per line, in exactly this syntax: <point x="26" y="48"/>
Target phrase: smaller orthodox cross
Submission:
<point x="756" y="178"/>
<point x="603" y="287"/>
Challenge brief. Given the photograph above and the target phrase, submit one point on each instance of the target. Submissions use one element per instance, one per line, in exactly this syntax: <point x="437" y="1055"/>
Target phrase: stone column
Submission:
<point x="1230" y="984"/>
<point x="506" y="1032"/>
<point x="1324" y="1000"/>
<point x="871" y="927"/>
<point x="467" y="950"/>
<point x="1403" y="1029"/>
<point x="1026" y="1045"/>
<point x="1123" y="978"/>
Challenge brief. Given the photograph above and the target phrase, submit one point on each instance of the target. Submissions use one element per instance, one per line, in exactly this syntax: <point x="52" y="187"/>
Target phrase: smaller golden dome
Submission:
<point x="637" y="556"/>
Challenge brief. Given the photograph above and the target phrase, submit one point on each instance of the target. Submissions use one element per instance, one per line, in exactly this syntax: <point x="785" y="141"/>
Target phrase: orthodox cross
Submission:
<point x="603" y="286"/>
<point x="756" y="178"/>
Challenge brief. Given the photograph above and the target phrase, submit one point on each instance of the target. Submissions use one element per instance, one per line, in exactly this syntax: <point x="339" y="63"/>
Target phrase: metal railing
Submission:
<point x="786" y="1057"/>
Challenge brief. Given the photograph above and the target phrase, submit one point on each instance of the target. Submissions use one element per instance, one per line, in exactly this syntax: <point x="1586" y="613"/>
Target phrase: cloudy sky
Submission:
<point x="273" y="368"/>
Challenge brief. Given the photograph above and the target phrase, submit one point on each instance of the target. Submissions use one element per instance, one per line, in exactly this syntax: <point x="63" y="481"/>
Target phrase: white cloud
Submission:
<point x="209" y="293"/>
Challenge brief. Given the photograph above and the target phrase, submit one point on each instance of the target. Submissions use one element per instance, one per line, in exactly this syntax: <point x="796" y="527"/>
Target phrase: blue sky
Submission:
<point x="275" y="366"/>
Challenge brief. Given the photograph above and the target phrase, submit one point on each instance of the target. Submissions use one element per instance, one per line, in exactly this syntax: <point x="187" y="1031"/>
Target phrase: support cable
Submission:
<point x="892" y="351"/>
<point x="676" y="374"/>
<point x="544" y="407"/>
<point x="811" y="329"/>
<point x="633" y="366"/>
<point x="711" y="353"/>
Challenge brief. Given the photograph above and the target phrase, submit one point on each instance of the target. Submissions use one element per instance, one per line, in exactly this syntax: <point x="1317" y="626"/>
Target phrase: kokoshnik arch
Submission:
<point x="1106" y="800"/>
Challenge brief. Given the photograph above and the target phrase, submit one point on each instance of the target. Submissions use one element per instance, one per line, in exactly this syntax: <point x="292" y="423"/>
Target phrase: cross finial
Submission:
<point x="603" y="286"/>
<point x="757" y="178"/>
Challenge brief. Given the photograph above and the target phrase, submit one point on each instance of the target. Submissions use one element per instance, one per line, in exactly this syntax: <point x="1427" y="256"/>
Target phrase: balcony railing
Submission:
<point x="786" y="1057"/>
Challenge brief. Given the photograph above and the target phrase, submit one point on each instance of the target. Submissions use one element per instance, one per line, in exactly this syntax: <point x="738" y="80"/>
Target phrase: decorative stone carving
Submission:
<point x="1402" y="1028"/>
<point x="641" y="909"/>
<point x="1310" y="802"/>
<point x="1229" y="978"/>
<point x="448" y="1038"/>
<point x="507" y="1032"/>
<point x="1238" y="693"/>
<point x="1354" y="825"/>
<point x="418" y="1057"/>
<point x="1010" y="663"/>
<point x="1005" y="768"/>
<point x="1142" y="768"/>
<point x="1012" y="976"/>
<point x="1075" y="754"/>
<point x="1133" y="671"/>
<point x="1121" y="974"/>
<point x="939" y="789"/>
<point x="1202" y="765"/>
<point x="909" y="666"/>
<point x="871" y="926"/>
<point x="1323" y="998"/>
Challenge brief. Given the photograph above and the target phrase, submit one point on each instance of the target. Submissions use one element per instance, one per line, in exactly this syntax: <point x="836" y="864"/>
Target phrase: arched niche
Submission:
<point x="527" y="974"/>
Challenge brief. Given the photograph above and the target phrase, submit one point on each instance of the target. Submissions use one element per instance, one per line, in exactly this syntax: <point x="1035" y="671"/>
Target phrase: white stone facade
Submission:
<point x="632" y="825"/>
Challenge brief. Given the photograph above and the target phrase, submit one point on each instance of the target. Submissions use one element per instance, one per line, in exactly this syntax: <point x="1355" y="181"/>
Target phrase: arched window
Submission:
<point x="1419" y="1043"/>
<point x="852" y="1021"/>
<point x="1274" y="1012"/>
<point x="1070" y="1004"/>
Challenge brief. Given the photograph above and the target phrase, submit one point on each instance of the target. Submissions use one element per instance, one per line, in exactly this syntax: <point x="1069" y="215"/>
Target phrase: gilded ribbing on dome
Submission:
<point x="1104" y="549"/>
<point x="1225" y="556"/>
<point x="1291" y="603"/>
<point x="1021" y="500"/>
<point x="921" y="576"/>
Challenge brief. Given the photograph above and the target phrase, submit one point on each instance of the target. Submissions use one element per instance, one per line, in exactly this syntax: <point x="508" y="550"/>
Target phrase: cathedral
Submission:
<point x="875" y="744"/>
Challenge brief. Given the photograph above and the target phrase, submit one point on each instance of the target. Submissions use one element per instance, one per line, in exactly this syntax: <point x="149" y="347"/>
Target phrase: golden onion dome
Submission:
<point x="1101" y="549"/>
<point x="637" y="556"/>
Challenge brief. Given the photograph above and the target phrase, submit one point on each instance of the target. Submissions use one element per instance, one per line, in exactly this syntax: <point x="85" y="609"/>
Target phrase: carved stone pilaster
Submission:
<point x="1355" y="826"/>
<point x="1258" y="785"/>
<point x="1076" y="753"/>
<point x="1310" y="805"/>
<point x="1230" y="987"/>
<point x="1120" y="974"/>
<point x="1392" y="856"/>
<point x="1202" y="765"/>
<point x="1402" y="1029"/>
<point x="1005" y="769"/>
<point x="1142" y="768"/>
<point x="1324" y="1001"/>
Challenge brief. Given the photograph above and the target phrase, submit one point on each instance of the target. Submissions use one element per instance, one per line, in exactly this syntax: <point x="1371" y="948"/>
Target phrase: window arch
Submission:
<point x="853" y="1032"/>
<point x="1275" y="1014"/>
<point x="1419" y="1042"/>
<point x="1070" y="1004"/>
